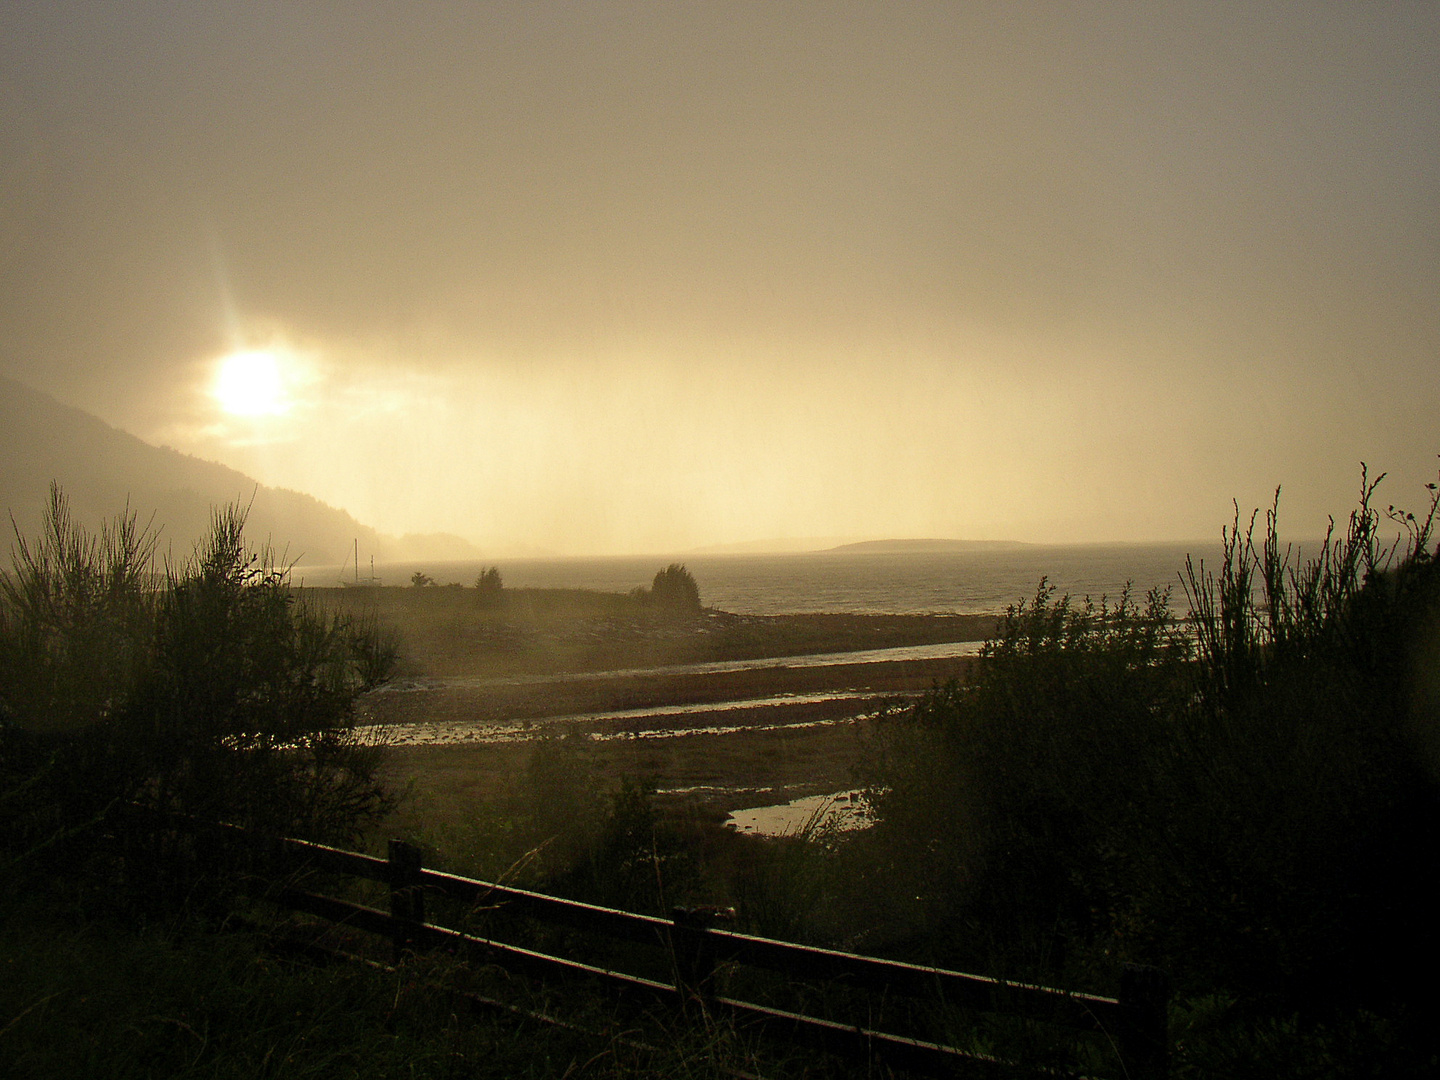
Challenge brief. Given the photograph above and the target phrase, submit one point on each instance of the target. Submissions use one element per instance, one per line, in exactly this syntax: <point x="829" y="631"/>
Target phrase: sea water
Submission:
<point x="966" y="582"/>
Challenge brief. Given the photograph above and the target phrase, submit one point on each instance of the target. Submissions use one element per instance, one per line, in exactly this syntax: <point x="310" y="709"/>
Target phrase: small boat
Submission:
<point x="372" y="582"/>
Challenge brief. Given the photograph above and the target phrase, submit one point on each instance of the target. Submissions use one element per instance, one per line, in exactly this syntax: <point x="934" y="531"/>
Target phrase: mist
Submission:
<point x="647" y="278"/>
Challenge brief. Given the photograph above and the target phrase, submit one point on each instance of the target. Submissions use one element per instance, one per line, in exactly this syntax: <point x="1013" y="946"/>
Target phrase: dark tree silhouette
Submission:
<point x="674" y="588"/>
<point x="489" y="585"/>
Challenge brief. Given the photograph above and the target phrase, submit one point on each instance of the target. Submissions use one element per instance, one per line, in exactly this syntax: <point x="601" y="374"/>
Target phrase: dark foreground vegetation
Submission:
<point x="1247" y="800"/>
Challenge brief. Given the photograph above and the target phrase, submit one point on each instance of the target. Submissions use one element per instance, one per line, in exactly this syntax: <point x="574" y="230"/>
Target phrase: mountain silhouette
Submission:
<point x="103" y="470"/>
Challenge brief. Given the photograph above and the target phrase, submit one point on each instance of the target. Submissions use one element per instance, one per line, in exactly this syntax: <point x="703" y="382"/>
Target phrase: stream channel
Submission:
<point x="769" y="711"/>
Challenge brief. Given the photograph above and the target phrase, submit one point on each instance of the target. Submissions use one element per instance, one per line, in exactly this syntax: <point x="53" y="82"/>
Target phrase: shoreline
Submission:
<point x="452" y="632"/>
<point x="649" y="697"/>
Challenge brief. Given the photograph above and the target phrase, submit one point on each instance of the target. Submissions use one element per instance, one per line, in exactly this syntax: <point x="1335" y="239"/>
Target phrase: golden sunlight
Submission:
<point x="250" y="383"/>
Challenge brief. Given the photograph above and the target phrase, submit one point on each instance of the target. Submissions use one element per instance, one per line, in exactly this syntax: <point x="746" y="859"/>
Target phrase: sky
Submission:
<point x="622" y="277"/>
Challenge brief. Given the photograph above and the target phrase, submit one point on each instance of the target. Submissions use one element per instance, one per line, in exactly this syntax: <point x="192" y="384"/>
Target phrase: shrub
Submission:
<point x="635" y="859"/>
<point x="1011" y="798"/>
<point x="674" y="589"/>
<point x="208" y="690"/>
<point x="1251" y="804"/>
<point x="490" y="587"/>
<point x="252" y="697"/>
<point x="76" y="619"/>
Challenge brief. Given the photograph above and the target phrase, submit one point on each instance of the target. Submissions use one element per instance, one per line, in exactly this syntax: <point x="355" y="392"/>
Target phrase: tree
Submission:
<point x="489" y="585"/>
<point x="1005" y="797"/>
<point x="675" y="589"/>
<point x="251" y="698"/>
<point x="420" y="579"/>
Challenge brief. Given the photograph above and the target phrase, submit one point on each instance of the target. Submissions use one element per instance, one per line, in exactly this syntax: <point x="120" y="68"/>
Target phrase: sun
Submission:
<point x="251" y="383"/>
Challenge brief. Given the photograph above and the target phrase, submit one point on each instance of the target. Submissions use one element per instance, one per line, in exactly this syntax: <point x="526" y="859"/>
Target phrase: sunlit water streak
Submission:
<point x="441" y="733"/>
<point x="456" y="732"/>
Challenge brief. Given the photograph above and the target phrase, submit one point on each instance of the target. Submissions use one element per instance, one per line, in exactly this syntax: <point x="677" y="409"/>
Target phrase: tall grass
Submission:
<point x="1303" y="787"/>
<point x="1250" y="801"/>
<point x="204" y="689"/>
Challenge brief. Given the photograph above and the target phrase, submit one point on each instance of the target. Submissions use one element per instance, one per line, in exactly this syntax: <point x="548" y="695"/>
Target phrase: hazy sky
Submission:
<point x="639" y="277"/>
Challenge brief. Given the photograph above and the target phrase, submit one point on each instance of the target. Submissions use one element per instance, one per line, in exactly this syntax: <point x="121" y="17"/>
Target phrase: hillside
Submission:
<point x="102" y="469"/>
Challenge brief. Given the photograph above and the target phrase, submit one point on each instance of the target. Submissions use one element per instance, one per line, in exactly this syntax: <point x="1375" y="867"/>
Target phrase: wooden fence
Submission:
<point x="697" y="947"/>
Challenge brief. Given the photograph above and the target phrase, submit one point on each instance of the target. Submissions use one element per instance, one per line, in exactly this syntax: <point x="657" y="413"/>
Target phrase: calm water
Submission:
<point x="964" y="582"/>
<point x="844" y="810"/>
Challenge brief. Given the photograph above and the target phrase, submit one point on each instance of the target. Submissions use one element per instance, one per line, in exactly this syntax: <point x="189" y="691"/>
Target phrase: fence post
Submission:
<point x="695" y="956"/>
<point x="407" y="902"/>
<point x="1144" y="1033"/>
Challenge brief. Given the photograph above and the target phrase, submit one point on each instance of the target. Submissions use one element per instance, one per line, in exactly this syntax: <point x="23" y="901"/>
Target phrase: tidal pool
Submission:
<point x="842" y="810"/>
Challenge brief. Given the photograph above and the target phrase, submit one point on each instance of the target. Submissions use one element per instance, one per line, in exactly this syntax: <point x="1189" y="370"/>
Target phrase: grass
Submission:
<point x="104" y="999"/>
<point x="457" y="631"/>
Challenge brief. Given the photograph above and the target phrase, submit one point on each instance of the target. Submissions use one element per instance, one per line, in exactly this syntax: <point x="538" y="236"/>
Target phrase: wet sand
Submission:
<point x="705" y="761"/>
<point x="499" y="702"/>
<point x="710" y="741"/>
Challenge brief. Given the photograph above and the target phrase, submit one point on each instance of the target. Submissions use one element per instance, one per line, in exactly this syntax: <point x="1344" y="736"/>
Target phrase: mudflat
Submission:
<point x="494" y="701"/>
<point x="550" y="663"/>
<point x="451" y="631"/>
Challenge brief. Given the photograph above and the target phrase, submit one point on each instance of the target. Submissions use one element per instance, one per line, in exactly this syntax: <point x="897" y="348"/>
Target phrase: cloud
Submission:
<point x="657" y="274"/>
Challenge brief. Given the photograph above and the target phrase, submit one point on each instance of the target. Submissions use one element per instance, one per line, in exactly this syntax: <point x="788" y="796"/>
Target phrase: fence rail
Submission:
<point x="1135" y="1022"/>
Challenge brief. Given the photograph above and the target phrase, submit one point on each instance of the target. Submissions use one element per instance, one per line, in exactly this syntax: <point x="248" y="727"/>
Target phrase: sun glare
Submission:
<point x="250" y="383"/>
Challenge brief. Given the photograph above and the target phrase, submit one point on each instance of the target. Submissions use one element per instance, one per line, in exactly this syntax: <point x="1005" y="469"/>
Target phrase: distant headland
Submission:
<point x="923" y="547"/>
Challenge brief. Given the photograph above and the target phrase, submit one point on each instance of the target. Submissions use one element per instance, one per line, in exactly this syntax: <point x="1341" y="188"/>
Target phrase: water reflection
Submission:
<point x="453" y="732"/>
<point x="843" y="810"/>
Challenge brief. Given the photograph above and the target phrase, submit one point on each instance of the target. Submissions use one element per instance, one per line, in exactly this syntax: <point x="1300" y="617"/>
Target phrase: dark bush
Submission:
<point x="490" y="587"/>
<point x="674" y="589"/>
<point x="1303" y="790"/>
<point x="1011" y="801"/>
<point x="1252" y="802"/>
<point x="208" y="692"/>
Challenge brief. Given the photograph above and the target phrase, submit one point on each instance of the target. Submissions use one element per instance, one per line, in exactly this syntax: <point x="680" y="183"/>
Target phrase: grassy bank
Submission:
<point x="449" y="631"/>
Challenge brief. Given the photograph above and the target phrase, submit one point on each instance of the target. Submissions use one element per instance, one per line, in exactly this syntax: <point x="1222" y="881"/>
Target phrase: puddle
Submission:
<point x="842" y="810"/>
